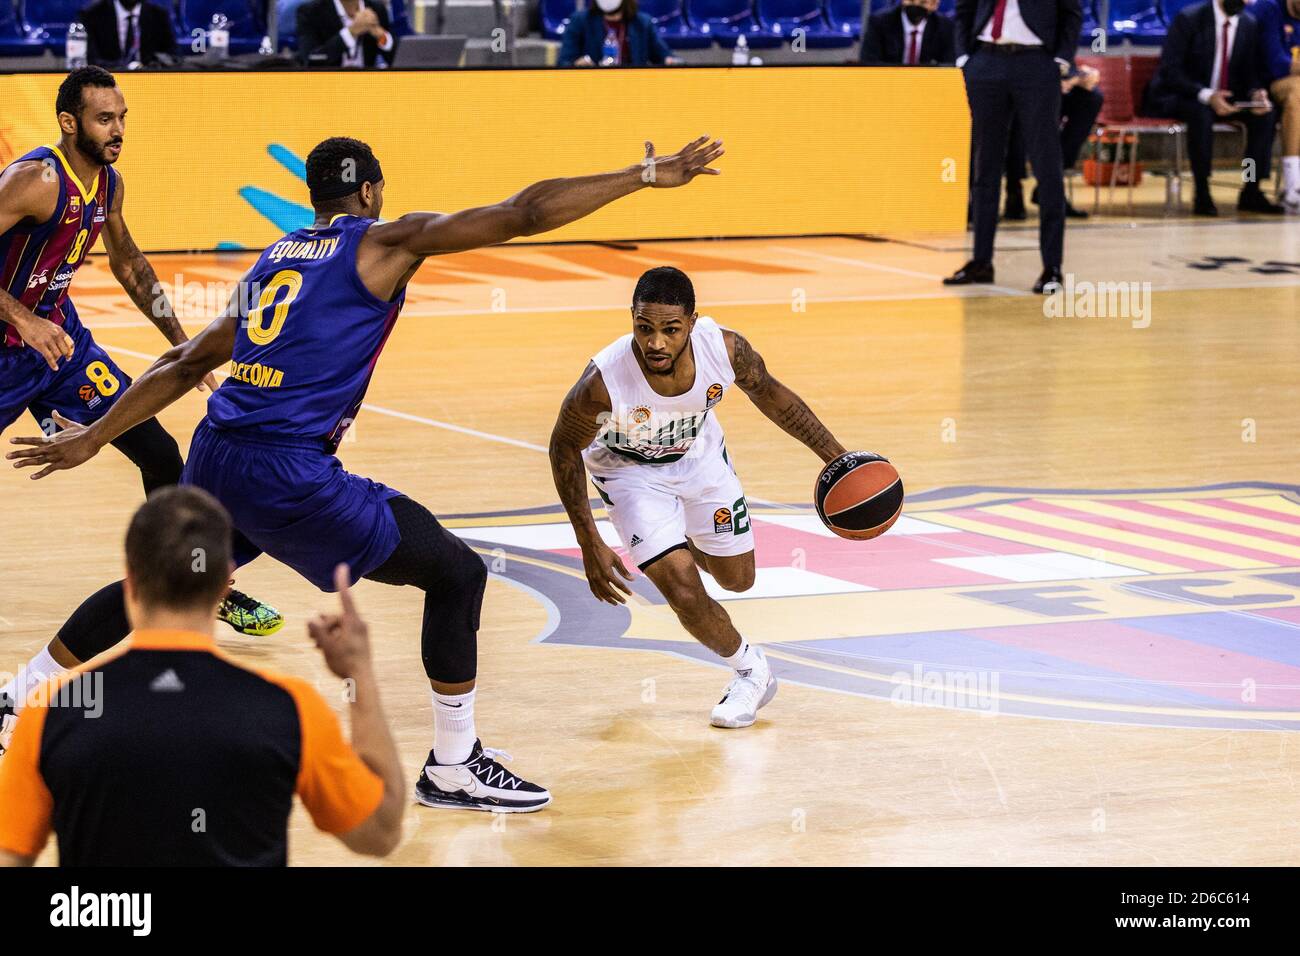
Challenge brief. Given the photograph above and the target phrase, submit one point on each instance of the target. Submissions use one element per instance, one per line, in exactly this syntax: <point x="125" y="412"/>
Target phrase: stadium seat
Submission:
<point x="14" y="38"/>
<point x="47" y="21"/>
<point x="555" y="15"/>
<point x="246" y="26"/>
<point x="670" y="20"/>
<point x="1139" y="21"/>
<point x="725" y="21"/>
<point x="780" y="18"/>
<point x="845" y="17"/>
<point x="286" y="18"/>
<point x="399" y="18"/>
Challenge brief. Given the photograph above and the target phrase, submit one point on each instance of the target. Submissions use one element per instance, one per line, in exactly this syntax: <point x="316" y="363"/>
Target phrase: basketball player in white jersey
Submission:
<point x="639" y="418"/>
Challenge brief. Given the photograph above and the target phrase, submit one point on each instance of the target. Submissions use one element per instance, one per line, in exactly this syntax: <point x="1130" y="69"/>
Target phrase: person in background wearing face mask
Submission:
<point x="1279" y="26"/>
<point x="1212" y="62"/>
<point x="123" y="32"/>
<point x="910" y="34"/>
<point x="613" y="33"/>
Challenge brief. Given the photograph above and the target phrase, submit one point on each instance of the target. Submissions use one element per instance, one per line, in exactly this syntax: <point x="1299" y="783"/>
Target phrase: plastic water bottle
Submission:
<point x="74" y="48"/>
<point x="266" y="48"/>
<point x="740" y="55"/>
<point x="609" y="53"/>
<point x="219" y="36"/>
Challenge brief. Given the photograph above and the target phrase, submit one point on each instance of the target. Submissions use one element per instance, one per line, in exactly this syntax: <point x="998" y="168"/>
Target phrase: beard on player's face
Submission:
<point x="97" y="149"/>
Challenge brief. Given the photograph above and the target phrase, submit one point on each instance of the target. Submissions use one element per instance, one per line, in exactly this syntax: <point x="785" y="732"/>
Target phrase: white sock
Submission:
<point x="745" y="659"/>
<point x="1290" y="173"/>
<point x="40" y="668"/>
<point x="453" y="727"/>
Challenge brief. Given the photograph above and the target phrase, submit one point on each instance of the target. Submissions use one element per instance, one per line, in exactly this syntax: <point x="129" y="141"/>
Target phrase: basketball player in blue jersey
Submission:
<point x="639" y="421"/>
<point x="55" y="202"/>
<point x="301" y="359"/>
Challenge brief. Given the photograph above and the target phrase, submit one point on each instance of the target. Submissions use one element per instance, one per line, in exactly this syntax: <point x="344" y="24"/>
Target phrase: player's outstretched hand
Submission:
<point x="604" y="568"/>
<point x="343" y="638"/>
<point x="66" y="448"/>
<point x="665" y="172"/>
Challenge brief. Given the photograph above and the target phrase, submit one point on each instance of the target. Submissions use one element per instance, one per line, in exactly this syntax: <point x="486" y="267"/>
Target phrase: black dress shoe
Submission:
<point x="1204" y="206"/>
<point x="1050" y="281"/>
<point x="1252" y="199"/>
<point x="972" y="272"/>
<point x="1072" y="213"/>
<point x="1015" y="211"/>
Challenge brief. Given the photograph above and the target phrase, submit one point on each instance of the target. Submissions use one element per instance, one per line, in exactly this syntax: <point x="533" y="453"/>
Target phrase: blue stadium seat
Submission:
<point x="48" y="20"/>
<point x="555" y="14"/>
<point x="1139" y="21"/>
<point x="726" y="20"/>
<point x="1091" y="21"/>
<point x="286" y="18"/>
<point x="1171" y="7"/>
<point x="246" y="26"/>
<point x="669" y="18"/>
<point x="399" y="19"/>
<point x="14" y="38"/>
<point x="845" y="17"/>
<point x="780" y="18"/>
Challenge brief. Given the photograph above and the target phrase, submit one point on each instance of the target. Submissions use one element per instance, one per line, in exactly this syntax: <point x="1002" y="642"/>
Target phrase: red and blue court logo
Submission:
<point x="1163" y="607"/>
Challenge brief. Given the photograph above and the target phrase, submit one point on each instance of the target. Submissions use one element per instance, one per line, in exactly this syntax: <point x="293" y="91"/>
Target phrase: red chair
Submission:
<point x="1123" y="83"/>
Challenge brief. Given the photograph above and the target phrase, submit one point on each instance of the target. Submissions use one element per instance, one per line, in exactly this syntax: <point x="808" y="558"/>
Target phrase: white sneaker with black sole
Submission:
<point x="746" y="693"/>
<point x="480" y="783"/>
<point x="1290" y="201"/>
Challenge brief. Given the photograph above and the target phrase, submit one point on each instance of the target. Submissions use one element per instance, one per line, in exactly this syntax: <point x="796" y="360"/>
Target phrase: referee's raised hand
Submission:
<point x="343" y="638"/>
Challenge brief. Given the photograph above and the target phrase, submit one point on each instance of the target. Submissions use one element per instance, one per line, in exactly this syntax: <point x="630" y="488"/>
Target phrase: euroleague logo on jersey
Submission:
<point x="722" y="521"/>
<point x="713" y="395"/>
<point x="640" y="415"/>
<point x="86" y="392"/>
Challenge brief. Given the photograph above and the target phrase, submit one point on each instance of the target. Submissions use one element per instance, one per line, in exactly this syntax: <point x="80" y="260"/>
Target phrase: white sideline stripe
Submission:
<point x="811" y="524"/>
<point x="783" y="582"/>
<point x="845" y="261"/>
<point x="405" y="416"/>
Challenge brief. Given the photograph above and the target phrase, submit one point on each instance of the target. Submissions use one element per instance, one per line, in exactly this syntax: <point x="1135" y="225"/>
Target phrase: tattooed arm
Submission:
<point x="778" y="402"/>
<point x="575" y="429"/>
<point x="137" y="277"/>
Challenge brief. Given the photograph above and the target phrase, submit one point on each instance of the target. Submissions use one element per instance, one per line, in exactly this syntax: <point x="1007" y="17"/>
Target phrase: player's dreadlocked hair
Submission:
<point x="69" y="98"/>
<point x="337" y="167"/>
<point x="665" y="286"/>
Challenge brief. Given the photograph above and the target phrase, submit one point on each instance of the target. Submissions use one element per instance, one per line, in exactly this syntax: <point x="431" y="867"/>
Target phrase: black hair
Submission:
<point x="336" y="168"/>
<point x="665" y="286"/>
<point x="69" y="99"/>
<point x="178" y="549"/>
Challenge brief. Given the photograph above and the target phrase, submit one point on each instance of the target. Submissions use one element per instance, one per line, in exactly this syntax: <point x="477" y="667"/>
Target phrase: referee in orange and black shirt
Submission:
<point x="171" y="754"/>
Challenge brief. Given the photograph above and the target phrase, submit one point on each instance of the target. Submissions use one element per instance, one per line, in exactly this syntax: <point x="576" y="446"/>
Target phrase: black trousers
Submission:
<point x="1200" y="120"/>
<point x="1025" y="87"/>
<point x="1079" y="111"/>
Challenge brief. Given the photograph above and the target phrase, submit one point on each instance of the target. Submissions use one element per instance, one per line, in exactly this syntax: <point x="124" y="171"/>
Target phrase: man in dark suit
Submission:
<point x="1014" y="54"/>
<point x="346" y="33"/>
<point x="1213" y="59"/>
<point x="910" y="34"/>
<point x="119" y="32"/>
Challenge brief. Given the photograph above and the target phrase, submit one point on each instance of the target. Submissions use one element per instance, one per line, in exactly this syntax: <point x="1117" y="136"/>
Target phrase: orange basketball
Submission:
<point x="859" y="495"/>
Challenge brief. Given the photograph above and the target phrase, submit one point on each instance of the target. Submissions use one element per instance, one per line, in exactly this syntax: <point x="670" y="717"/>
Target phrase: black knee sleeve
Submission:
<point x="452" y="577"/>
<point x="154" y="452"/>
<point x="98" y="624"/>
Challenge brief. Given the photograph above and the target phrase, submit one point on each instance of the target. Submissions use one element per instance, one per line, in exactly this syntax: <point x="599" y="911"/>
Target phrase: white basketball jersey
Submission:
<point x="646" y="428"/>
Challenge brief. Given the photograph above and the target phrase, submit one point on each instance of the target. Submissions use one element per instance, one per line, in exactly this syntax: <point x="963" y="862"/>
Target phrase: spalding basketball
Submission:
<point x="859" y="495"/>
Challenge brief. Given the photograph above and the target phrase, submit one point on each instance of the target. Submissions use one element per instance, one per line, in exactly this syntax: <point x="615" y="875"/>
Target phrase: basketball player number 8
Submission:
<point x="258" y="330"/>
<point x="102" y="378"/>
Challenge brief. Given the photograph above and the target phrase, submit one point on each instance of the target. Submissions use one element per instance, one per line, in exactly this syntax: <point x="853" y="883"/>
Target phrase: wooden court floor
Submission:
<point x="1079" y="453"/>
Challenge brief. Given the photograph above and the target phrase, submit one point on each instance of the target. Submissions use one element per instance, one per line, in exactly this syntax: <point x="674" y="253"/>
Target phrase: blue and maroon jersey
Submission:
<point x="313" y="332"/>
<point x="37" y="261"/>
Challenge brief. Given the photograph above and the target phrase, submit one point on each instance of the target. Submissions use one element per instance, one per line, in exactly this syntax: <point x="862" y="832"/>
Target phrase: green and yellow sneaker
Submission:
<point x="248" y="615"/>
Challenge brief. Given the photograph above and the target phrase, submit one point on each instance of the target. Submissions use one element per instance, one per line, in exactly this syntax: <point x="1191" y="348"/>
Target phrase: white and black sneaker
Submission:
<point x="480" y="783"/>
<point x="747" y="692"/>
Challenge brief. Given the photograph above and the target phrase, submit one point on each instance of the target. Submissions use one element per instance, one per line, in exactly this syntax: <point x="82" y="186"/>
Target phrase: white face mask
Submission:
<point x="609" y="6"/>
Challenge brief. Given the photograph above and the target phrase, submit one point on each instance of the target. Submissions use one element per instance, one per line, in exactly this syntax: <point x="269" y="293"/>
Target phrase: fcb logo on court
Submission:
<point x="722" y="521"/>
<point x="1163" y="607"/>
<point x="713" y="395"/>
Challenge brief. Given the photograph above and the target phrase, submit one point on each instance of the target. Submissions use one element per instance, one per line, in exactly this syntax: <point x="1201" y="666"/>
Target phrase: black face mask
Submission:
<point x="915" y="13"/>
<point x="1233" y="7"/>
